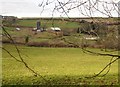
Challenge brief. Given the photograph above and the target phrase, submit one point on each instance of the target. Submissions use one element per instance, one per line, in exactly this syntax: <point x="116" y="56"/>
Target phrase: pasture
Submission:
<point x="48" y="23"/>
<point x="59" y="66"/>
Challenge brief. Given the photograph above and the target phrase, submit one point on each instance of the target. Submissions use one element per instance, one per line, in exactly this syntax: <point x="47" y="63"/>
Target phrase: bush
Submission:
<point x="66" y="33"/>
<point x="38" y="44"/>
<point x="48" y="44"/>
<point x="6" y="41"/>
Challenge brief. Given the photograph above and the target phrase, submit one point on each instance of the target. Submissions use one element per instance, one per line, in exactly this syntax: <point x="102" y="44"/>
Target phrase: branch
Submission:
<point x="11" y="54"/>
<point x="108" y="65"/>
<point x="21" y="59"/>
<point x="101" y="54"/>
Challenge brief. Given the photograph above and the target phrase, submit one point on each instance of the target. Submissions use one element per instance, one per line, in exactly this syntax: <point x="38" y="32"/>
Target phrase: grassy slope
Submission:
<point x="59" y="65"/>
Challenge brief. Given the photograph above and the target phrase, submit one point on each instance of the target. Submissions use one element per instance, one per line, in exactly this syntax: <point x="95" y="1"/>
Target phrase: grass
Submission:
<point x="58" y="65"/>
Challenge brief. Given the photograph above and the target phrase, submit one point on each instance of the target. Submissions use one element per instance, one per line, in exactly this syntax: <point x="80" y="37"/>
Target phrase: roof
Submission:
<point x="55" y="28"/>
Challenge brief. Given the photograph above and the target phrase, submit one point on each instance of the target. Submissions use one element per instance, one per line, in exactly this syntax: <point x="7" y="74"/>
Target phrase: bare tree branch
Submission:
<point x="21" y="59"/>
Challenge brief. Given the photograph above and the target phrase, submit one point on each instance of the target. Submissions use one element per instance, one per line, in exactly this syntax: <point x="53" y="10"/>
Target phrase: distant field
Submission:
<point x="63" y="24"/>
<point x="69" y="31"/>
<point x="49" y="37"/>
<point x="49" y="23"/>
<point x="58" y="65"/>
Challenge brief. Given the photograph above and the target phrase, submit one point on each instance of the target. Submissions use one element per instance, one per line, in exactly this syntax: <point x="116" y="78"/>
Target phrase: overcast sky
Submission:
<point x="30" y="8"/>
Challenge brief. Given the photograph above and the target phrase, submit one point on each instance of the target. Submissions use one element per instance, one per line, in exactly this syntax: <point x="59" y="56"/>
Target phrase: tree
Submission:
<point x="9" y="20"/>
<point x="88" y="8"/>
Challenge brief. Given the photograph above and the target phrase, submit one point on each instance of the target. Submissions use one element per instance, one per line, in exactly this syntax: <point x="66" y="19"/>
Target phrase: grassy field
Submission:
<point x="49" y="23"/>
<point x="57" y="65"/>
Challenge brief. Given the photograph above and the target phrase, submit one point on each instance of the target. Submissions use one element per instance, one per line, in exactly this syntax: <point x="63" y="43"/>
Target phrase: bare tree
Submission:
<point x="87" y="8"/>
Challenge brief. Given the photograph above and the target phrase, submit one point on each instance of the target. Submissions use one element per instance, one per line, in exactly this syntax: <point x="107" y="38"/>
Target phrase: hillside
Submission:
<point x="72" y="32"/>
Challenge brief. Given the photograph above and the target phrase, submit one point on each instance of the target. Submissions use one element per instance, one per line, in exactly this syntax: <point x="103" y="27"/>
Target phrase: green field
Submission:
<point x="57" y="65"/>
<point x="49" y="23"/>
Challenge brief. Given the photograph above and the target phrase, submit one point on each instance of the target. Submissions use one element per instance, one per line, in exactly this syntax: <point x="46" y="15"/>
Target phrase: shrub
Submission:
<point x="38" y="44"/>
<point x="6" y="41"/>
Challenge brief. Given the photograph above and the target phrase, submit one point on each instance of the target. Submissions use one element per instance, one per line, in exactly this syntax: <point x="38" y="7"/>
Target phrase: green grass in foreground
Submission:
<point x="58" y="65"/>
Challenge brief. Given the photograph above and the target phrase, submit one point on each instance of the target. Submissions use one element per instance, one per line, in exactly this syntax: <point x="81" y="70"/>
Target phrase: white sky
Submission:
<point x="30" y="8"/>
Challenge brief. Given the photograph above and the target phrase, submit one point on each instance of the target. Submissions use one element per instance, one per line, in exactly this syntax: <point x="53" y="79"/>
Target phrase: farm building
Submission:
<point x="55" y="28"/>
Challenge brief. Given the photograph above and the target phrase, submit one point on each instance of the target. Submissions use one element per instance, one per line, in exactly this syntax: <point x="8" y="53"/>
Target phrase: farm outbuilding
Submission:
<point x="55" y="28"/>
